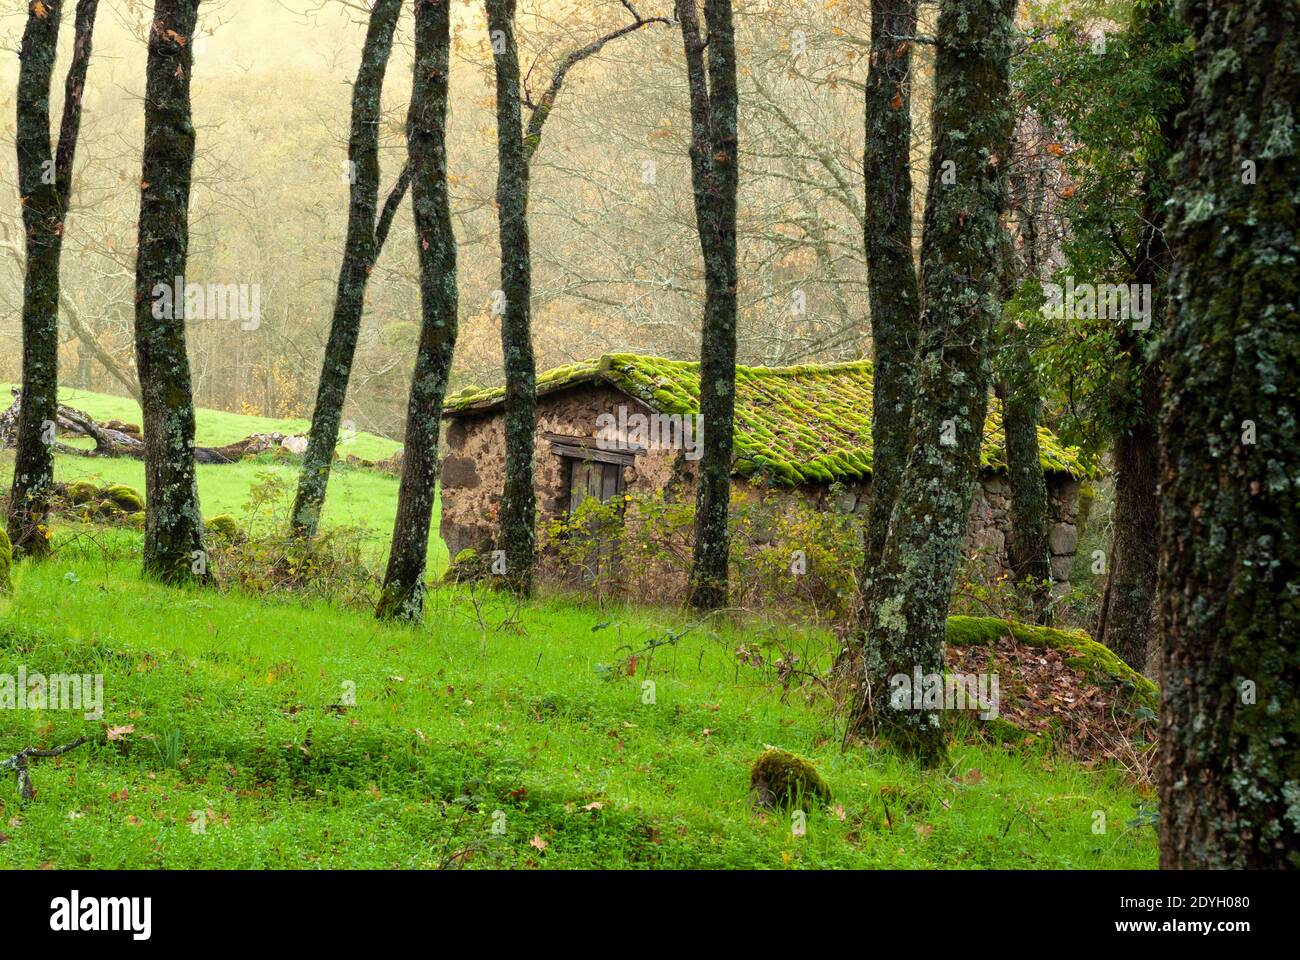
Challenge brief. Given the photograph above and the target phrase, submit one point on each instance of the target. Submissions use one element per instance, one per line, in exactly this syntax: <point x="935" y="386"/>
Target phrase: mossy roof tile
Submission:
<point x="797" y="424"/>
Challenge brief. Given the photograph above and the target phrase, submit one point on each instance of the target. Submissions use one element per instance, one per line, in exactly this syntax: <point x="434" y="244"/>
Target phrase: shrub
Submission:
<point x="784" y="551"/>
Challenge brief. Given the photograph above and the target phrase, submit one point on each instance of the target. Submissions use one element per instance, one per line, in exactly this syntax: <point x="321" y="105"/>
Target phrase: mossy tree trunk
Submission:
<point x="1230" y="455"/>
<point x="360" y="251"/>
<point x="960" y="263"/>
<point x="1127" y="623"/>
<point x="891" y="273"/>
<point x="517" y="517"/>
<point x="715" y="178"/>
<point x="1127" y="619"/>
<point x="402" y="597"/>
<point x="45" y="187"/>
<point x="1029" y="552"/>
<point x="173" y="536"/>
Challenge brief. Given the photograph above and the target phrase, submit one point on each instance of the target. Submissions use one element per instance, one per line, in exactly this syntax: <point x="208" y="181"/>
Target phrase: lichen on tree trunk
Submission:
<point x="891" y="273"/>
<point x="361" y="250"/>
<point x="960" y="264"/>
<point x="402" y="597"/>
<point x="516" y="520"/>
<point x="45" y="185"/>
<point x="173" y="538"/>
<point x="1230" y="451"/>
<point x="715" y="178"/>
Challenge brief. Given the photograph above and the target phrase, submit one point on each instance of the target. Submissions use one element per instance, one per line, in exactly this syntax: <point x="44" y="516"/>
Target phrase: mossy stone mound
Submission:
<point x="127" y="499"/>
<point x="81" y="491"/>
<point x="780" y="780"/>
<point x="1097" y="661"/>
<point x="222" y="526"/>
<point x="468" y="566"/>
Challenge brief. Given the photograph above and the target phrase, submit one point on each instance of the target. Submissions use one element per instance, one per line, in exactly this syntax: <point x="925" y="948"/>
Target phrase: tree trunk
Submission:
<point x="403" y="592"/>
<point x="360" y="251"/>
<point x="1127" y="622"/>
<point x="715" y="178"/>
<point x="1229" y="554"/>
<point x="961" y="249"/>
<point x="173" y="536"/>
<point x="517" y="517"/>
<point x="891" y="274"/>
<point x="1029" y="553"/>
<point x="45" y="183"/>
<point x="1128" y="616"/>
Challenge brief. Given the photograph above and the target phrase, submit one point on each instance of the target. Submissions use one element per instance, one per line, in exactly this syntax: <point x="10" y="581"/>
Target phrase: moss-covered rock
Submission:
<point x="222" y="526"/>
<point x="1097" y="661"/>
<point x="782" y="780"/>
<point x="468" y="565"/>
<point x="82" y="491"/>
<point x="6" y="562"/>
<point x="136" y="520"/>
<point x="127" y="499"/>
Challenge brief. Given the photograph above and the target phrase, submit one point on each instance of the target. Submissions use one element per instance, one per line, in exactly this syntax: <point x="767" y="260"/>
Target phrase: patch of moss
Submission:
<point x="127" y="499"/>
<point x="1096" y="660"/>
<point x="803" y="424"/>
<point x="781" y="780"/>
<point x="467" y="566"/>
<point x="223" y="525"/>
<point x="81" y="491"/>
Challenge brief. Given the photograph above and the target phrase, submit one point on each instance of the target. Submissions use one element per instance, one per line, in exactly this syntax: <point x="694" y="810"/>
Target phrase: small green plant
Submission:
<point x="168" y="748"/>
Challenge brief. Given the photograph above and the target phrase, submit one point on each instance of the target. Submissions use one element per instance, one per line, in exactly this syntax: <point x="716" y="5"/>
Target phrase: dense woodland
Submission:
<point x="1076" y="214"/>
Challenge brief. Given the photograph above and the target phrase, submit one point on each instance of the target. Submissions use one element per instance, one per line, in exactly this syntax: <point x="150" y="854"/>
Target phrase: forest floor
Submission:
<point x="253" y="731"/>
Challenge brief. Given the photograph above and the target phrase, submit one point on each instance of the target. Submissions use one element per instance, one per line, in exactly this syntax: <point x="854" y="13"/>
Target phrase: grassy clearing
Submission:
<point x="214" y="428"/>
<point x="472" y="722"/>
<point x="357" y="497"/>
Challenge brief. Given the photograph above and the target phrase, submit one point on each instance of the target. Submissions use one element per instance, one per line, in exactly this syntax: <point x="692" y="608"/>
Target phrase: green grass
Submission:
<point x="465" y="723"/>
<point x="214" y="428"/>
<point x="358" y="497"/>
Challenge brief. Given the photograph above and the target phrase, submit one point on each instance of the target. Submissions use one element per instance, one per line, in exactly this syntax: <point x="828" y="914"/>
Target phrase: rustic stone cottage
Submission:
<point x="629" y="424"/>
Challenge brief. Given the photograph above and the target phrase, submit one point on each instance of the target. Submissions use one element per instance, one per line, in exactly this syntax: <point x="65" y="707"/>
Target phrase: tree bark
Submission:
<point x="360" y="251"/>
<point x="1030" y="552"/>
<point x="891" y="273"/>
<point x="402" y="597"/>
<point x="173" y="536"/>
<point x="517" y="517"/>
<point x="45" y="185"/>
<point x="715" y="178"/>
<point x="1127" y="623"/>
<point x="1230" y="457"/>
<point x="891" y="280"/>
<point x="961" y="248"/>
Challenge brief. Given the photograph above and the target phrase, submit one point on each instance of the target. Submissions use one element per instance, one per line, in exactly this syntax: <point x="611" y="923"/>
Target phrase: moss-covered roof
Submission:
<point x="803" y="424"/>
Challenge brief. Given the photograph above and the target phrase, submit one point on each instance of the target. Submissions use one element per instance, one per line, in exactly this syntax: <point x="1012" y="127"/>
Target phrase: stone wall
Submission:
<point x="474" y="471"/>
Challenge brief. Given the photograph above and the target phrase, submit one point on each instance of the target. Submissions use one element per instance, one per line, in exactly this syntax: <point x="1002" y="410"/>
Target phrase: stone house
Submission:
<point x="629" y="424"/>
